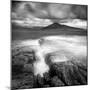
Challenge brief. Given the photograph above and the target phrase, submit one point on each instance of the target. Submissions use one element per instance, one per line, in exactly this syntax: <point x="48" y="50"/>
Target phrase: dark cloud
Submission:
<point x="52" y="10"/>
<point x="80" y="11"/>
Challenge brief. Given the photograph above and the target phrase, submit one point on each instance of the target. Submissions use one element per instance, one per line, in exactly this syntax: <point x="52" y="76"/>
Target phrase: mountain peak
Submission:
<point x="54" y="25"/>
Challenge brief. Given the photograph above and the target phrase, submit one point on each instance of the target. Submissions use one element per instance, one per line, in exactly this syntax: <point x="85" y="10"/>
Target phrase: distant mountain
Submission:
<point x="60" y="27"/>
<point x="54" y="26"/>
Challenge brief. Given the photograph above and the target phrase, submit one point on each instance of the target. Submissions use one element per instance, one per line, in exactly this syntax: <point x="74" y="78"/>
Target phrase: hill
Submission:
<point x="61" y="27"/>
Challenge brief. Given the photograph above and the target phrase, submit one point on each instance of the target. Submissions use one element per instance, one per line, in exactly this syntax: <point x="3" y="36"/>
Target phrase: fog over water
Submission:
<point x="62" y="48"/>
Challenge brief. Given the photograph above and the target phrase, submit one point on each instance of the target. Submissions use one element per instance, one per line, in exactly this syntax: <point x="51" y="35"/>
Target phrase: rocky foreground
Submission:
<point x="70" y="73"/>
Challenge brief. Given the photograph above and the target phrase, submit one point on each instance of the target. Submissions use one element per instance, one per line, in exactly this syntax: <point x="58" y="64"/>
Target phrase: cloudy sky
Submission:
<point x="42" y="14"/>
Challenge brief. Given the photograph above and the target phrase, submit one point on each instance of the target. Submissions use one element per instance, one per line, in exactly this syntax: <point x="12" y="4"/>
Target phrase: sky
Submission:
<point x="42" y="14"/>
